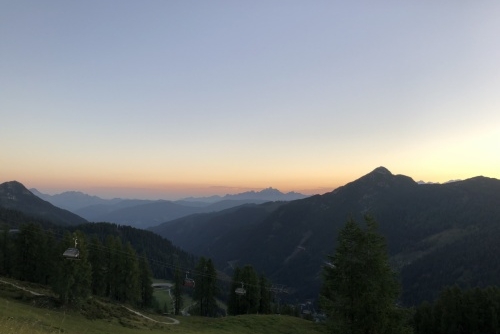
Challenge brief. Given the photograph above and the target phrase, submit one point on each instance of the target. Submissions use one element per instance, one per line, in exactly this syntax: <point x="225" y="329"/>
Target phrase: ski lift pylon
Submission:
<point x="240" y="291"/>
<point x="72" y="253"/>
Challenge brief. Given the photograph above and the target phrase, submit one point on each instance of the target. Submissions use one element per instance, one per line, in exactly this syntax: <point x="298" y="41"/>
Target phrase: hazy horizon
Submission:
<point x="168" y="193"/>
<point x="163" y="99"/>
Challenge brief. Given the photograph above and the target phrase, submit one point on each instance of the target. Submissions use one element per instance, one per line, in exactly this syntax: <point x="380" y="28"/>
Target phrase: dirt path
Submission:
<point x="22" y="288"/>
<point x="174" y="321"/>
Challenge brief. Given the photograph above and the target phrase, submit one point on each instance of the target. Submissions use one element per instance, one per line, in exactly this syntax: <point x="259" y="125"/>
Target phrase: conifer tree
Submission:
<point x="200" y="287"/>
<point x="145" y="282"/>
<point x="212" y="289"/>
<point x="360" y="290"/>
<point x="4" y="251"/>
<point x="74" y="276"/>
<point x="97" y="258"/>
<point x="265" y="296"/>
<point x="50" y="259"/>
<point x="82" y="271"/>
<point x="252" y="295"/>
<point x="249" y="302"/>
<point x="114" y="255"/>
<point x="28" y="245"/>
<point x="130" y="276"/>
<point x="206" y="287"/>
<point x="473" y="311"/>
<point x="178" y="303"/>
<point x="233" y="304"/>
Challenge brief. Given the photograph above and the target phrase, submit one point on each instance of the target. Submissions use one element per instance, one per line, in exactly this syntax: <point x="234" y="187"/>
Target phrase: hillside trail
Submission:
<point x="22" y="288"/>
<point x="184" y="310"/>
<point x="174" y="321"/>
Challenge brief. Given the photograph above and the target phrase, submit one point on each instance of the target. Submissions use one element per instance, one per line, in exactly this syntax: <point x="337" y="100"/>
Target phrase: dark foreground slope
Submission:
<point x="21" y="312"/>
<point x="422" y="224"/>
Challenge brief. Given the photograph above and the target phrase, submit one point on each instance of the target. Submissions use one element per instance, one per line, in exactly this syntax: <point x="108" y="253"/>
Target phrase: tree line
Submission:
<point x="360" y="294"/>
<point x="459" y="311"/>
<point x="248" y="292"/>
<point x="111" y="269"/>
<point x="360" y="290"/>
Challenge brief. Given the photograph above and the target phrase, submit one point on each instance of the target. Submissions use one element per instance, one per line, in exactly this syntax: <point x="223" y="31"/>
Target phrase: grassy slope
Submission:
<point x="22" y="313"/>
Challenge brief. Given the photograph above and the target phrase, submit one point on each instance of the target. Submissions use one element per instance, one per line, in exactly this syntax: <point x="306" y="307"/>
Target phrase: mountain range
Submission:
<point x="146" y="213"/>
<point x="437" y="234"/>
<point x="425" y="225"/>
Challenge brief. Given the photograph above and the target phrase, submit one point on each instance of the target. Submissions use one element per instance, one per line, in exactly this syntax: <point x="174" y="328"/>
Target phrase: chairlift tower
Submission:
<point x="72" y="253"/>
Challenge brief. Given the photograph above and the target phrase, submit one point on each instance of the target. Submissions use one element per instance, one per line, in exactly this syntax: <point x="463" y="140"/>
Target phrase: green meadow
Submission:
<point x="24" y="313"/>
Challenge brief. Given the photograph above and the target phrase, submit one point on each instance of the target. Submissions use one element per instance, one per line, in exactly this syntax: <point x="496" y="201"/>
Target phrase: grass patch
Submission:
<point x="162" y="297"/>
<point x="20" y="314"/>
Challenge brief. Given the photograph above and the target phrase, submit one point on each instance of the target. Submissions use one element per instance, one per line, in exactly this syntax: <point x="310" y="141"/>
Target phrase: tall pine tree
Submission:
<point x="73" y="284"/>
<point x="360" y="289"/>
<point x="206" y="287"/>
<point x="249" y="302"/>
<point x="145" y="282"/>
<point x="265" y="296"/>
<point x="97" y="259"/>
<point x="130" y="275"/>
<point x="178" y="302"/>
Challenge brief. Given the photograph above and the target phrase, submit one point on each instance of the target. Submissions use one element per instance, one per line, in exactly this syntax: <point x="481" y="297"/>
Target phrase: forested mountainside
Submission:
<point x="423" y="225"/>
<point x="225" y="228"/>
<point x="437" y="234"/>
<point x="163" y="257"/>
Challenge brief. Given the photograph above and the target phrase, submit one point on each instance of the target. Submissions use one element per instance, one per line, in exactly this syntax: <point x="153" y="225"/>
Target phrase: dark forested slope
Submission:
<point x="289" y="242"/>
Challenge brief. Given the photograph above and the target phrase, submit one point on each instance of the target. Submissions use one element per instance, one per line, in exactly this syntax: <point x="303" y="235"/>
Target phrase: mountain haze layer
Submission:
<point x="146" y="213"/>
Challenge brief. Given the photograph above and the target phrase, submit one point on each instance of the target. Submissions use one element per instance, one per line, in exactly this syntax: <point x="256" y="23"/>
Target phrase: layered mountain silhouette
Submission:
<point x="424" y="224"/>
<point x="268" y="194"/>
<point x="74" y="200"/>
<point x="15" y="196"/>
<point x="146" y="213"/>
<point x="437" y="234"/>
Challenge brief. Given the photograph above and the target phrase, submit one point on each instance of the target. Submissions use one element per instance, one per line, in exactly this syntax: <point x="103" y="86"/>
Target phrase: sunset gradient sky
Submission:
<point x="168" y="99"/>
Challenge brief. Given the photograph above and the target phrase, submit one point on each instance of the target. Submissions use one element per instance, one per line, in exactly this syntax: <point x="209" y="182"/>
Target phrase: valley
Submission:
<point x="437" y="235"/>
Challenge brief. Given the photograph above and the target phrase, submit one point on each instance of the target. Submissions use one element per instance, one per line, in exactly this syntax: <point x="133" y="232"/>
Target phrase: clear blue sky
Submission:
<point x="164" y="99"/>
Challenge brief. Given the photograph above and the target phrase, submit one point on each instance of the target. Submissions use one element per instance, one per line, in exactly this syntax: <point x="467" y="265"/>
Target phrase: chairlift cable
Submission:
<point x="277" y="288"/>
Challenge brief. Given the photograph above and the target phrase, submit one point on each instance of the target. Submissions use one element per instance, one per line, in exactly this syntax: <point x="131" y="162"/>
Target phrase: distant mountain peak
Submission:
<point x="13" y="189"/>
<point x="15" y="196"/>
<point x="266" y="194"/>
<point x="380" y="179"/>
<point x="270" y="190"/>
<point x="14" y="185"/>
<point x="270" y="194"/>
<point x="382" y="170"/>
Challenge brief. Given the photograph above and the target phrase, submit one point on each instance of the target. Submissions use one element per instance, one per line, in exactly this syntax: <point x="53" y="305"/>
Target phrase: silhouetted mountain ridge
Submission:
<point x="145" y="213"/>
<point x="74" y="200"/>
<point x="264" y="195"/>
<point x="15" y="196"/>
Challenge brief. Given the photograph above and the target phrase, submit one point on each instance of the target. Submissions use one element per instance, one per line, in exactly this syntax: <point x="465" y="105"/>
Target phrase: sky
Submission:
<point x="168" y="99"/>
